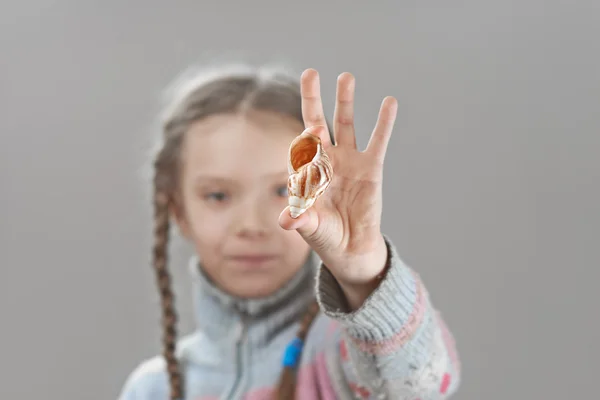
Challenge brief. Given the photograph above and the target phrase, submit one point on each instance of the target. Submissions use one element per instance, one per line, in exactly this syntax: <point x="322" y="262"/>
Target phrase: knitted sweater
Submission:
<point x="396" y="346"/>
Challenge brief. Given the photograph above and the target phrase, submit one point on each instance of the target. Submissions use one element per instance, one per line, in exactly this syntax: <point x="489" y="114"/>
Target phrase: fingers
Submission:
<point x="314" y="117"/>
<point x="312" y="107"/>
<point x="379" y="140"/>
<point x="343" y="118"/>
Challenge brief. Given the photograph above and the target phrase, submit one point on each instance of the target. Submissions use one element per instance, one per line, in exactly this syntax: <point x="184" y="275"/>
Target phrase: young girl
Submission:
<point x="315" y="307"/>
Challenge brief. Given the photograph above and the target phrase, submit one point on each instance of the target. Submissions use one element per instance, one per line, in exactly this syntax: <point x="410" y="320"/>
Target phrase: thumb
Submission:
<point x="306" y="224"/>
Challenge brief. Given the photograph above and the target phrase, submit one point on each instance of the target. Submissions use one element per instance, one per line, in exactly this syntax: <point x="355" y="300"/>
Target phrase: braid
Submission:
<point x="163" y="279"/>
<point x="287" y="382"/>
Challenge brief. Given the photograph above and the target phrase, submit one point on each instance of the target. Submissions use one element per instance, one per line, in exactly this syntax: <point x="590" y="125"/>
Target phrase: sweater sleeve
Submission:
<point x="395" y="346"/>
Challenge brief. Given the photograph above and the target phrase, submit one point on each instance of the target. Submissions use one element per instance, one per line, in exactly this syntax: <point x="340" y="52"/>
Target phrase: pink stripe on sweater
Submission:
<point x="324" y="381"/>
<point x="332" y="327"/>
<point x="343" y="350"/>
<point x="313" y="383"/>
<point x="306" y="387"/>
<point x="415" y="319"/>
<point x="260" y="394"/>
<point x="450" y="343"/>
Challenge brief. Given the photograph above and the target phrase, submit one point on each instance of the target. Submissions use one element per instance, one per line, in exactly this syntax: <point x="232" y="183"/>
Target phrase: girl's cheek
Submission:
<point x="214" y="223"/>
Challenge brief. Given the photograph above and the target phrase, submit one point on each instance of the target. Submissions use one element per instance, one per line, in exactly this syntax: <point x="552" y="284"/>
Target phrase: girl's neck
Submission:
<point x="218" y="312"/>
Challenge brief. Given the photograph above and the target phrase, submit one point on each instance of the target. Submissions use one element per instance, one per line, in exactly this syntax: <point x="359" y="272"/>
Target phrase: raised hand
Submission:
<point x="344" y="225"/>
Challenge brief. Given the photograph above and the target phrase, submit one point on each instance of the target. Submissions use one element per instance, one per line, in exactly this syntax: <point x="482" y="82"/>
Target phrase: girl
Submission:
<point x="318" y="307"/>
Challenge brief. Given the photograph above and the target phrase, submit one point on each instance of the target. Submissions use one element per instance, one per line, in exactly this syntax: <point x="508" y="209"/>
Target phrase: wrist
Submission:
<point x="360" y="276"/>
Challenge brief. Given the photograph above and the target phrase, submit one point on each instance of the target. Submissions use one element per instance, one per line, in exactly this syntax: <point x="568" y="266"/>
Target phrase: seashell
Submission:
<point x="310" y="173"/>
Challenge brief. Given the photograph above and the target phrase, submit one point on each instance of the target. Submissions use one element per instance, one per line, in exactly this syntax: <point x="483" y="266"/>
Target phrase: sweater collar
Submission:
<point x="220" y="316"/>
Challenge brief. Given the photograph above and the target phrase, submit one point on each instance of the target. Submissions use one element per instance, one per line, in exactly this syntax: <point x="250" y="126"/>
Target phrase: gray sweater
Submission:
<point x="396" y="346"/>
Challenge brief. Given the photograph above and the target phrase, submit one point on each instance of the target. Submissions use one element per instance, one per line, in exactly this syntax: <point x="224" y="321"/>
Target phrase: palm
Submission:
<point x="350" y="209"/>
<point x="346" y="219"/>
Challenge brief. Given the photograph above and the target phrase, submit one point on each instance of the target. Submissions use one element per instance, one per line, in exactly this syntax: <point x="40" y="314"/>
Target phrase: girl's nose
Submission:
<point x="253" y="219"/>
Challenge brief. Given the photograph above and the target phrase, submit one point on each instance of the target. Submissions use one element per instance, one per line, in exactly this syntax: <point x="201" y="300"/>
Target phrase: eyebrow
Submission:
<point x="225" y="179"/>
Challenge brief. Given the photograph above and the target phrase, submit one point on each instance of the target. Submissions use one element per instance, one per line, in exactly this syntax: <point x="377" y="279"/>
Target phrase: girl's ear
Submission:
<point x="177" y="213"/>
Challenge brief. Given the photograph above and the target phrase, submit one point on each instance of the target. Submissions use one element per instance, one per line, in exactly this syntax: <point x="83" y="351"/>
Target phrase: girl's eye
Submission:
<point x="282" y="191"/>
<point x="216" y="196"/>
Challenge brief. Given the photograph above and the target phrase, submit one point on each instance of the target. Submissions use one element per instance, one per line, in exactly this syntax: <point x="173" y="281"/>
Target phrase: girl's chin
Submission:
<point x="254" y="288"/>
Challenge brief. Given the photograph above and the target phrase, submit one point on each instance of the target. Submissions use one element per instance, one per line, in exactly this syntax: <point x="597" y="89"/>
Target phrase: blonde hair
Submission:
<point x="230" y="88"/>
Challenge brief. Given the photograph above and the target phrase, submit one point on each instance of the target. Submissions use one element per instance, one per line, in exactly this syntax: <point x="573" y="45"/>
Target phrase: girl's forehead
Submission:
<point x="230" y="143"/>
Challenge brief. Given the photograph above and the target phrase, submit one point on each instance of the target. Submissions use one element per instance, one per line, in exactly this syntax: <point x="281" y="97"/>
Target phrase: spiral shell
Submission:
<point x="310" y="173"/>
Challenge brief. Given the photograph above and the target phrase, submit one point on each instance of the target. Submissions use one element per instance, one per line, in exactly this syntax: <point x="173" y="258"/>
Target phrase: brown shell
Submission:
<point x="310" y="172"/>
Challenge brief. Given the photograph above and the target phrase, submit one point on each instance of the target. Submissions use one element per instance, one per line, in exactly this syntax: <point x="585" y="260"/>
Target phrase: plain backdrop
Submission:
<point x="492" y="178"/>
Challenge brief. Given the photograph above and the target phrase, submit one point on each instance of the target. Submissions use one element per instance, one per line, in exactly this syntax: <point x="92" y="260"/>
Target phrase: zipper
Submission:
<point x="237" y="386"/>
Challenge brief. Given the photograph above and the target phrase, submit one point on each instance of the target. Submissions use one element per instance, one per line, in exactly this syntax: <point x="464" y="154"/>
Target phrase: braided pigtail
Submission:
<point x="293" y="352"/>
<point x="163" y="280"/>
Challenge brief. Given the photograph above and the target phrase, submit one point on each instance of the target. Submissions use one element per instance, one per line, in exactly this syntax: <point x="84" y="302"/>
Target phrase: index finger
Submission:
<point x="312" y="106"/>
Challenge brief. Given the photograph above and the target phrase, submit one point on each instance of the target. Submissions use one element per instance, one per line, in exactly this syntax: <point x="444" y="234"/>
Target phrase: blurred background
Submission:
<point x="492" y="179"/>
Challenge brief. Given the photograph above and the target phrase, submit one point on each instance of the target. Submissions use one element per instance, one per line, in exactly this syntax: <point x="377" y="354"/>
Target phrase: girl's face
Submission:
<point x="233" y="188"/>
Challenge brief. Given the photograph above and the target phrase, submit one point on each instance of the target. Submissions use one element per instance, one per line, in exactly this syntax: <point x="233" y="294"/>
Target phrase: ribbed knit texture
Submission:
<point x="395" y="346"/>
<point x="388" y="308"/>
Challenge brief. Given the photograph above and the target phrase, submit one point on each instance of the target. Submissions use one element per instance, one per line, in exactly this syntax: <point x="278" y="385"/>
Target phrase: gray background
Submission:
<point x="492" y="177"/>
